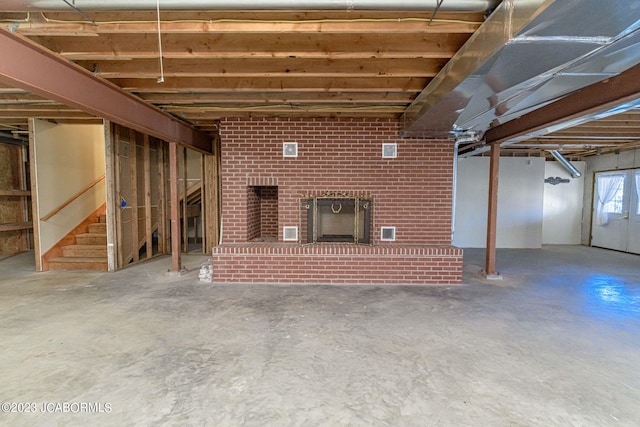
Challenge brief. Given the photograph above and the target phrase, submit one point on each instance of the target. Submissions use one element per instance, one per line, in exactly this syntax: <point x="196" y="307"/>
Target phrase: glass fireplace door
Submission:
<point x="338" y="220"/>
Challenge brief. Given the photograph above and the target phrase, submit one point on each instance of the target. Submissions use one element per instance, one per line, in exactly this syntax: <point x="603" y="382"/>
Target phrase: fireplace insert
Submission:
<point x="337" y="218"/>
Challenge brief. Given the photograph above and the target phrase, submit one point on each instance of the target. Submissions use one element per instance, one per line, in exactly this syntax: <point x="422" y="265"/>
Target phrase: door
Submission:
<point x="633" y="244"/>
<point x="616" y="211"/>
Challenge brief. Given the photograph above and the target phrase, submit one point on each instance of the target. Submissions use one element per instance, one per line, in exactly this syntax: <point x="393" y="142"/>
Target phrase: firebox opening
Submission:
<point x="262" y="213"/>
<point x="337" y="219"/>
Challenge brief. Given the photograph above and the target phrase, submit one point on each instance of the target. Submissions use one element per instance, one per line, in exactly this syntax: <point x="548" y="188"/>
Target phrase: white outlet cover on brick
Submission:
<point x="388" y="234"/>
<point x="290" y="233"/>
<point x="290" y="149"/>
<point x="389" y="150"/>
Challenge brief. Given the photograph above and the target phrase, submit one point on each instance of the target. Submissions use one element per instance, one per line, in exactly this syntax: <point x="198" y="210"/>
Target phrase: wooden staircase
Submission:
<point x="88" y="253"/>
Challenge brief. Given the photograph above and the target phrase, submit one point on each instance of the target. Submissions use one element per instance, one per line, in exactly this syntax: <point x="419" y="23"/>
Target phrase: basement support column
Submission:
<point x="492" y="216"/>
<point x="176" y="265"/>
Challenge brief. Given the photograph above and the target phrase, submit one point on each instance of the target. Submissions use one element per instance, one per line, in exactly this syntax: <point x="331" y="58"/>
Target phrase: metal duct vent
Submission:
<point x="290" y="149"/>
<point x="290" y="233"/>
<point x="388" y="234"/>
<point x="389" y="150"/>
<point x="575" y="173"/>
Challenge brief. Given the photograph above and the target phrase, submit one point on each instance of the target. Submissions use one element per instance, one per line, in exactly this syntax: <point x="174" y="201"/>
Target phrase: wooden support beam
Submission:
<point x="492" y="217"/>
<point x="35" y="69"/>
<point x="256" y="45"/>
<point x="268" y="67"/>
<point x="409" y="25"/>
<point x="185" y="216"/>
<point x="299" y="84"/>
<point x="176" y="264"/>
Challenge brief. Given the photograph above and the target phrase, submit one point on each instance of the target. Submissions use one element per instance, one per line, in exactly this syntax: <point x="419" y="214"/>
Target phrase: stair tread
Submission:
<point x="92" y="234"/>
<point x="87" y="246"/>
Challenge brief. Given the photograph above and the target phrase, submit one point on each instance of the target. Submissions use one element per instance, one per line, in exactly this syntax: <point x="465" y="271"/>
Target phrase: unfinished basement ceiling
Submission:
<point x="250" y="63"/>
<point x="277" y="63"/>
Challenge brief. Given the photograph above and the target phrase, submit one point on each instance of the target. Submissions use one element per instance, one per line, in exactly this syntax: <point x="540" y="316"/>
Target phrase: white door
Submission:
<point x="633" y="244"/>
<point x="616" y="211"/>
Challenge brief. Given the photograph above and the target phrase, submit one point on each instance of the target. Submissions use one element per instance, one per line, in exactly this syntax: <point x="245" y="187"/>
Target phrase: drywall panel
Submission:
<point x="67" y="159"/>
<point x="520" y="202"/>
<point x="562" y="211"/>
<point x="606" y="162"/>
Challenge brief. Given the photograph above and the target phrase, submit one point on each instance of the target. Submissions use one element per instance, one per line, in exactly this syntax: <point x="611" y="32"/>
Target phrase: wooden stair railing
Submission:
<point x="71" y="199"/>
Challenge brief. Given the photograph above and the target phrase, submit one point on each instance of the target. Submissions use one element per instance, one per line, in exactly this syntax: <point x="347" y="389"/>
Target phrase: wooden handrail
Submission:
<point x="68" y="202"/>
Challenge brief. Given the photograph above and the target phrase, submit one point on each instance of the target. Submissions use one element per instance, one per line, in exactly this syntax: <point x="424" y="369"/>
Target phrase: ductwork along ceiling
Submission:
<point x="449" y="68"/>
<point x="89" y="5"/>
<point x="528" y="54"/>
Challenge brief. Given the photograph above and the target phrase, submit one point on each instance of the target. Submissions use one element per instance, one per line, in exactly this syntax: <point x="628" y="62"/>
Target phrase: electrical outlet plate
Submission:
<point x="290" y="233"/>
<point x="389" y="150"/>
<point x="290" y="149"/>
<point x="388" y="234"/>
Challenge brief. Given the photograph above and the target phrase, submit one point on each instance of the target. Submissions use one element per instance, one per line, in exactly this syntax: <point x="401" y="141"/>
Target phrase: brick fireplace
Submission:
<point x="323" y="200"/>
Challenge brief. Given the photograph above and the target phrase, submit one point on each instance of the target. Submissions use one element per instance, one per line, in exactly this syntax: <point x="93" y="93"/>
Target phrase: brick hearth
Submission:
<point x="337" y="264"/>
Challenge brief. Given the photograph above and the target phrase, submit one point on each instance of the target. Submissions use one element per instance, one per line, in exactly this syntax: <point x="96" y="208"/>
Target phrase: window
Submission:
<point x="610" y="188"/>
<point x="615" y="204"/>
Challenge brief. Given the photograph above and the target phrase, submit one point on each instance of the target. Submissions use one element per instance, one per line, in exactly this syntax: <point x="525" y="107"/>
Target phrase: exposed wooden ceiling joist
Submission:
<point x="267" y="67"/>
<point x="46" y="74"/>
<point x="270" y="64"/>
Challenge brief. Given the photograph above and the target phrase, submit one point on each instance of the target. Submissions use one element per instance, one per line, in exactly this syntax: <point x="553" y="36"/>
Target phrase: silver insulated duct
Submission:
<point x="575" y="173"/>
<point x="449" y="5"/>
<point x="527" y="54"/>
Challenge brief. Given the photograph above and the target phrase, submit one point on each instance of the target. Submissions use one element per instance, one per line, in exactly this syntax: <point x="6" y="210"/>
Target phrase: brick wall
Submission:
<point x="253" y="212"/>
<point x="262" y="192"/>
<point x="411" y="192"/>
<point x="269" y="212"/>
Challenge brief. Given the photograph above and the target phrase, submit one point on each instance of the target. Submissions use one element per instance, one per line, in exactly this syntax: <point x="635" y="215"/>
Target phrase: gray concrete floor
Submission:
<point x="557" y="342"/>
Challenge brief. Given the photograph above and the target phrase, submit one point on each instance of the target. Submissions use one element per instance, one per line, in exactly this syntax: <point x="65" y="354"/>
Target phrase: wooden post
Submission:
<point x="211" y="197"/>
<point x="162" y="200"/>
<point x="148" y="226"/>
<point x="185" y="218"/>
<point x="203" y="205"/>
<point x="23" y="161"/>
<point x="490" y="268"/>
<point x="175" y="205"/>
<point x="118" y="173"/>
<point x="133" y="202"/>
<point x="113" y="205"/>
<point x="35" y="208"/>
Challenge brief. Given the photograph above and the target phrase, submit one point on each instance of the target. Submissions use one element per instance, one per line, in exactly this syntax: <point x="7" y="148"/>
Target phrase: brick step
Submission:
<point x="98" y="228"/>
<point x="91" y="239"/>
<point x="103" y="219"/>
<point x="83" y="251"/>
<point x="87" y="263"/>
